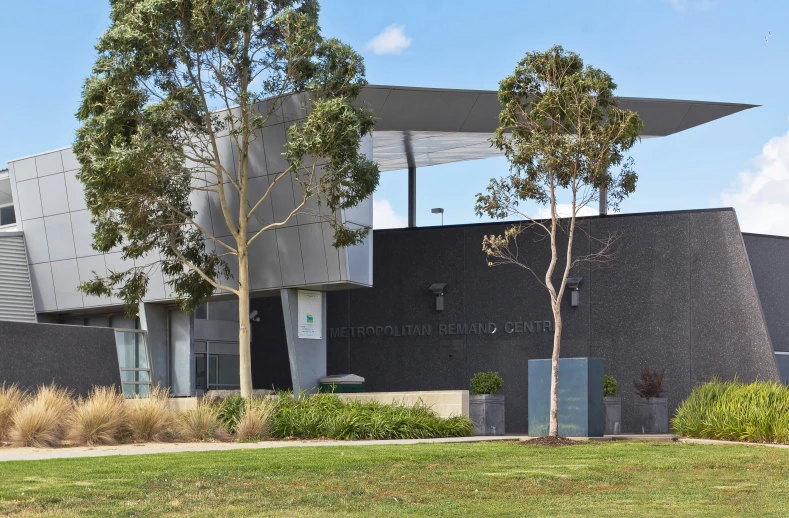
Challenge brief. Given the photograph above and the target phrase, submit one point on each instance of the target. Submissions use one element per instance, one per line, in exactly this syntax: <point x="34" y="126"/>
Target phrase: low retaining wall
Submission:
<point x="445" y="403"/>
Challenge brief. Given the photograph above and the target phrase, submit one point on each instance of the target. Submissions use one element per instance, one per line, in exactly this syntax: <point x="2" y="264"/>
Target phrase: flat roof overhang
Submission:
<point x="420" y="127"/>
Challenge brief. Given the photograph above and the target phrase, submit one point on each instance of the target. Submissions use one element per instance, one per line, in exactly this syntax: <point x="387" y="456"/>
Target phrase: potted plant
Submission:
<point x="486" y="405"/>
<point x="612" y="406"/>
<point x="651" y="409"/>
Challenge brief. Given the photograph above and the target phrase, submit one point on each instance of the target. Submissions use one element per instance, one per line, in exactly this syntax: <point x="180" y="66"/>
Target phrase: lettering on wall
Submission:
<point x="456" y="329"/>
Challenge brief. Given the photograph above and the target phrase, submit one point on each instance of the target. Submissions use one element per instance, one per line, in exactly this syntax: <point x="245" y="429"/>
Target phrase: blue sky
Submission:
<point x="687" y="49"/>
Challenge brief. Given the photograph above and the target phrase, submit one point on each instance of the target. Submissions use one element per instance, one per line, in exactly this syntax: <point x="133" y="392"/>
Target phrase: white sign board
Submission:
<point x="310" y="314"/>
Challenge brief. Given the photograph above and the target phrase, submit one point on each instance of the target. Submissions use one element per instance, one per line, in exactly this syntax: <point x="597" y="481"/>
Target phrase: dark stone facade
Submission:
<point x="74" y="357"/>
<point x="678" y="295"/>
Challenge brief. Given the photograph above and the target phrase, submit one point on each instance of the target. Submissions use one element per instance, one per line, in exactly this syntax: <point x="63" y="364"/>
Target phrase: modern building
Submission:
<point x="687" y="292"/>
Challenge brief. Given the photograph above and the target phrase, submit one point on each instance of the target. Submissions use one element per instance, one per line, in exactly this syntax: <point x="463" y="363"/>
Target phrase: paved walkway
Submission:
<point x="10" y="454"/>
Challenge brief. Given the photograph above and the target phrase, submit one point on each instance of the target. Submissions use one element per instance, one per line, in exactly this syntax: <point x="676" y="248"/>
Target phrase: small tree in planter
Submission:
<point x="612" y="406"/>
<point x="486" y="405"/>
<point x="651" y="409"/>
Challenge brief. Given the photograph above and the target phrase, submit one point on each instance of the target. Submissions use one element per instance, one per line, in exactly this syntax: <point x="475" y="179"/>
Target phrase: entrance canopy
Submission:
<point x="420" y="127"/>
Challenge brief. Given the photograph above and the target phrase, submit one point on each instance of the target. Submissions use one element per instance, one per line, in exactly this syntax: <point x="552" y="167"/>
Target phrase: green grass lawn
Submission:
<point x="493" y="479"/>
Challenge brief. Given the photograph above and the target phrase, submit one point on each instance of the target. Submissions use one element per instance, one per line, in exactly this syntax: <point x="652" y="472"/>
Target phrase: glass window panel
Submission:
<point x="142" y="376"/>
<point x="130" y="390"/>
<point x="201" y="375"/>
<point x="201" y="313"/>
<point x="228" y="370"/>
<point x="132" y="352"/>
<point x="7" y="216"/>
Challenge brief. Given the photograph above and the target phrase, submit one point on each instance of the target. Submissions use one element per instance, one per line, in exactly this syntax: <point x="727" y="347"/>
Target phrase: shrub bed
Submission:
<point x="325" y="416"/>
<point x="50" y="415"/>
<point x="735" y="411"/>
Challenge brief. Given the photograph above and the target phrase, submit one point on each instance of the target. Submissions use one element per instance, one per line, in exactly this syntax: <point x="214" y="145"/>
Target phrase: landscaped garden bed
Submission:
<point x="735" y="411"/>
<point x="50" y="416"/>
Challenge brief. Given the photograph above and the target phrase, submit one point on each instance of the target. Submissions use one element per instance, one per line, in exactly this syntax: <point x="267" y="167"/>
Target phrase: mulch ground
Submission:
<point x="550" y="441"/>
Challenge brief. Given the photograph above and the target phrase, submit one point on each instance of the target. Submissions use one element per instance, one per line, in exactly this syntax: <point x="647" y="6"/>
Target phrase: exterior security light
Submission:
<point x="253" y="316"/>
<point x="438" y="290"/>
<point x="572" y="284"/>
<point x="439" y="210"/>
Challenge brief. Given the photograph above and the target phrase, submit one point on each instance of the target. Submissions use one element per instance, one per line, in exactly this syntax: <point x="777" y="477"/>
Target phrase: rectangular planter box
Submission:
<point x="613" y="415"/>
<point x="580" y="397"/>
<point x="651" y="415"/>
<point x="487" y="414"/>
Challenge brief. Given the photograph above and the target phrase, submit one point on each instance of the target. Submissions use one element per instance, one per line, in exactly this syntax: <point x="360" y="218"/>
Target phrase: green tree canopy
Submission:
<point x="174" y="80"/>
<point x="563" y="133"/>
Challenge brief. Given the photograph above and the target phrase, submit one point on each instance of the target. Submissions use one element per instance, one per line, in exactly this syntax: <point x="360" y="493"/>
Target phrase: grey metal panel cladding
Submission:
<point x="29" y="199"/>
<point x="49" y="163"/>
<point x="85" y="356"/>
<point x="768" y="258"/>
<point x="16" y="293"/>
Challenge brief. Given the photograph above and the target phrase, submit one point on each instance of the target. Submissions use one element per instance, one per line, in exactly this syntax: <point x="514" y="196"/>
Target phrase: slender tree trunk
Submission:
<point x="244" y="357"/>
<point x="557" y="344"/>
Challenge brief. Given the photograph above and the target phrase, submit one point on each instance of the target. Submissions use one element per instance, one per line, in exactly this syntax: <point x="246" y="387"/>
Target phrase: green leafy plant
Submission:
<point x="486" y="383"/>
<point x="326" y="416"/>
<point x="650" y="384"/>
<point x="609" y="386"/>
<point x="230" y="411"/>
<point x="735" y="411"/>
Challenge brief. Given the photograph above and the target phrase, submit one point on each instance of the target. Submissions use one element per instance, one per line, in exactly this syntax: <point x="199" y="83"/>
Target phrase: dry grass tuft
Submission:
<point x="11" y="398"/>
<point x="255" y="424"/>
<point x="41" y="420"/>
<point x="201" y="424"/>
<point x="98" y="419"/>
<point x="150" y="418"/>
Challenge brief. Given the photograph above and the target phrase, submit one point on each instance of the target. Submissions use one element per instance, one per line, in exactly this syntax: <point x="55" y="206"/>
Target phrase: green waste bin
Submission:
<point x="342" y="384"/>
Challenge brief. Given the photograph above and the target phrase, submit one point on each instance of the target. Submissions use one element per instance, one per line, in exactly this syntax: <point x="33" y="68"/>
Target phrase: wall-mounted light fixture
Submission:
<point x="438" y="290"/>
<point x="572" y="284"/>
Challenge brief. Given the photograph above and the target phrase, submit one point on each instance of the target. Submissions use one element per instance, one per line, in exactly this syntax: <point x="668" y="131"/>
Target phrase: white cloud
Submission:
<point x="384" y="216"/>
<point x="391" y="41"/>
<point x="565" y="210"/>
<point x="761" y="196"/>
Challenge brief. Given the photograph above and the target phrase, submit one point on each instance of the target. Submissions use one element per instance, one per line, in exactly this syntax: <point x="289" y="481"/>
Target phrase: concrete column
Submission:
<point x="307" y="356"/>
<point x="182" y="358"/>
<point x="153" y="320"/>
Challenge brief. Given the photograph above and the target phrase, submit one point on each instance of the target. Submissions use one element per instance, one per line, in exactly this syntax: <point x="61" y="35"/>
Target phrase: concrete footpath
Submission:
<point x="14" y="454"/>
<point x="9" y="454"/>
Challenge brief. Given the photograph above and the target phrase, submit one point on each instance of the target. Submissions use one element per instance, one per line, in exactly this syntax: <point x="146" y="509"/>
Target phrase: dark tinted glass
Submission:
<point x="7" y="215"/>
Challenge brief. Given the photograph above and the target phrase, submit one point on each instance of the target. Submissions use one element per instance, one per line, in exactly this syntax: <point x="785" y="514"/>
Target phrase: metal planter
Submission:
<point x="487" y="414"/>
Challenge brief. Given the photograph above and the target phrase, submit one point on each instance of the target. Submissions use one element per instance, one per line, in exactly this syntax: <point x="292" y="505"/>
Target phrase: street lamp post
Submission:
<point x="439" y="210"/>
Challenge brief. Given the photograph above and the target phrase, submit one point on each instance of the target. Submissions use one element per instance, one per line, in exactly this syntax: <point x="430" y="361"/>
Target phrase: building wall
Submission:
<point x="74" y="357"/>
<point x="51" y="211"/>
<point x="678" y="295"/>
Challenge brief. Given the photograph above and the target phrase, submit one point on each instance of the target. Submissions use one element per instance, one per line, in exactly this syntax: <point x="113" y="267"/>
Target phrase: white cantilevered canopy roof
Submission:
<point x="420" y="127"/>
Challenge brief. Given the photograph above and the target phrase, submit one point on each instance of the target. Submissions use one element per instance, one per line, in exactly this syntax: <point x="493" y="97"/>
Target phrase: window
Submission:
<point x="216" y="365"/>
<point x="7" y="216"/>
<point x="134" y="362"/>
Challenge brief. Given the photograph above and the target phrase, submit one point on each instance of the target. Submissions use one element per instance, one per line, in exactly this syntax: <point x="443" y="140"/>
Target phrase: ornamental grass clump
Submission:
<point x="41" y="420"/>
<point x="735" y="411"/>
<point x="201" y="423"/>
<point x="98" y="419"/>
<point x="256" y="422"/>
<point x="150" y="417"/>
<point x="11" y="398"/>
<point x="326" y="416"/>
